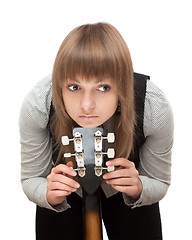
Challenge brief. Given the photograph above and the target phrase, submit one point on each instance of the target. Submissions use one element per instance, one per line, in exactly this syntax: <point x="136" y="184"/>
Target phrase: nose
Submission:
<point x="87" y="102"/>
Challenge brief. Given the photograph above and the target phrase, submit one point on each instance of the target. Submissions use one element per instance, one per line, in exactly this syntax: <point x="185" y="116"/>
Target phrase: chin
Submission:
<point x="89" y="126"/>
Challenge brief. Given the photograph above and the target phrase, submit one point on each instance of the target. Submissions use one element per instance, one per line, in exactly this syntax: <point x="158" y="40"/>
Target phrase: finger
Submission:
<point x="61" y="187"/>
<point x="122" y="182"/>
<point x="117" y="174"/>
<point x="59" y="194"/>
<point x="65" y="180"/>
<point x="120" y="162"/>
<point x="64" y="169"/>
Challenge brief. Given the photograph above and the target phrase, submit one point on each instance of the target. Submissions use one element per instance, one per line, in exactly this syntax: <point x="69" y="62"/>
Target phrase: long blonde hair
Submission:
<point x="95" y="50"/>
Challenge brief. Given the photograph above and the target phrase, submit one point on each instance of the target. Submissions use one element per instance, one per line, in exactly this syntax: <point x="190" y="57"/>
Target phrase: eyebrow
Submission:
<point x="77" y="81"/>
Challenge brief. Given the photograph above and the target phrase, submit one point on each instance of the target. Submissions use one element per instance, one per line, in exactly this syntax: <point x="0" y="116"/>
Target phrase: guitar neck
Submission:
<point x="92" y="216"/>
<point x="88" y="148"/>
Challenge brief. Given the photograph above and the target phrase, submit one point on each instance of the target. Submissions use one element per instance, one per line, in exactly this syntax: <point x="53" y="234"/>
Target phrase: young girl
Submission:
<point x="93" y="84"/>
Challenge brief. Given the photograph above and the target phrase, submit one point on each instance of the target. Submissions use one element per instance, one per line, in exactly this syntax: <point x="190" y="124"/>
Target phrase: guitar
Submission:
<point x="88" y="145"/>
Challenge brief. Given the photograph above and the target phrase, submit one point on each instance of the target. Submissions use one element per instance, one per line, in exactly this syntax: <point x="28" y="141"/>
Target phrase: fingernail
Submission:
<point x="108" y="163"/>
<point x="77" y="185"/>
<point x="74" y="173"/>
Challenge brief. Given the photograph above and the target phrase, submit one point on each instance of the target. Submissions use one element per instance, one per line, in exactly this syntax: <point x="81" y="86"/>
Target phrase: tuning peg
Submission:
<point x="99" y="170"/>
<point x="110" y="153"/>
<point x="79" y="156"/>
<point x="77" y="139"/>
<point x="110" y="168"/>
<point x="65" y="140"/>
<point x="80" y="170"/>
<point x="68" y="155"/>
<point x="110" y="137"/>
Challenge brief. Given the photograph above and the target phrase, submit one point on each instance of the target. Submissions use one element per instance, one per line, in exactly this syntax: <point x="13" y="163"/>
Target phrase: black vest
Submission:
<point x="139" y="138"/>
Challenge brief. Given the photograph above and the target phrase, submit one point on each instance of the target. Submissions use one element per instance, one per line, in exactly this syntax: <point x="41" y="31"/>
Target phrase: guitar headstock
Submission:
<point x="88" y="152"/>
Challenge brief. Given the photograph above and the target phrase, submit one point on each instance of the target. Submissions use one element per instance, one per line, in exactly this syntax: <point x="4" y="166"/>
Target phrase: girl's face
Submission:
<point x="92" y="103"/>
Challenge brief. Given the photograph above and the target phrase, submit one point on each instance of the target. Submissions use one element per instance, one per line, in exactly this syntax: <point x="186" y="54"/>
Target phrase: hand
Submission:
<point x="125" y="178"/>
<point x="60" y="183"/>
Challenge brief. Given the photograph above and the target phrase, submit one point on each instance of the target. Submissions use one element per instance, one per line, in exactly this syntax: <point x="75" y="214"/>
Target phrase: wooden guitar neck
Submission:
<point x="92" y="216"/>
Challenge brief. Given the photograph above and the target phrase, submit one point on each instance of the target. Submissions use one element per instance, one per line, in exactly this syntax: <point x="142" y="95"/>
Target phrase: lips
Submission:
<point x="88" y="117"/>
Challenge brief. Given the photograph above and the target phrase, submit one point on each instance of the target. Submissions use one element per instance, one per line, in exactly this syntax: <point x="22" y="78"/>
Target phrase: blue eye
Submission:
<point x="73" y="88"/>
<point x="104" y="88"/>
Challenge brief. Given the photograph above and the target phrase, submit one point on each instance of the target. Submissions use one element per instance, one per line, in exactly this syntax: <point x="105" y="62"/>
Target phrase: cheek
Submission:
<point x="69" y="103"/>
<point x="114" y="106"/>
<point x="109" y="106"/>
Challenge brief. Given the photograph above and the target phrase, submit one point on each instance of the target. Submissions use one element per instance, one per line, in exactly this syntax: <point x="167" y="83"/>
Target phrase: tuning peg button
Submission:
<point x="111" y="137"/>
<point x="68" y="155"/>
<point x="110" y="153"/>
<point x="65" y="140"/>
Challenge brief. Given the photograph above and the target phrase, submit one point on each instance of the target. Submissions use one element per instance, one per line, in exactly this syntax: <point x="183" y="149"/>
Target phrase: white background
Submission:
<point x="158" y="34"/>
